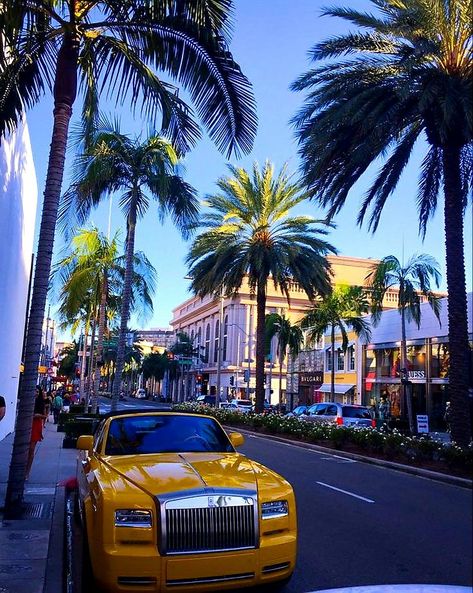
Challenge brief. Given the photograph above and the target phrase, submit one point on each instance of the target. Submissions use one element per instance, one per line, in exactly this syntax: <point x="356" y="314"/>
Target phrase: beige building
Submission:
<point x="200" y="319"/>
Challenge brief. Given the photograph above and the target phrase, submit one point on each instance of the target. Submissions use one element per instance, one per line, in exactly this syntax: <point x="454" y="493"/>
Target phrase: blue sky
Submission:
<point x="271" y="41"/>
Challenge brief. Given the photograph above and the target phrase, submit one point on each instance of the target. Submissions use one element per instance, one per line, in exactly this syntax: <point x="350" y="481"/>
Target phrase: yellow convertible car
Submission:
<point x="167" y="504"/>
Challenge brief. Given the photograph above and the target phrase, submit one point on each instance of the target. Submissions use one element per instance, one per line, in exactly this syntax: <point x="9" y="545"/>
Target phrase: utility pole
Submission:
<point x="219" y="350"/>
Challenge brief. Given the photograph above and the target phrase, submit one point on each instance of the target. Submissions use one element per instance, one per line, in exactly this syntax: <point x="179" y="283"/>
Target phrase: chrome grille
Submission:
<point x="209" y="523"/>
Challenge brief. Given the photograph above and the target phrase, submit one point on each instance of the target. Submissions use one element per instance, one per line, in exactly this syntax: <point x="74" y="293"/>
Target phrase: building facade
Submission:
<point x="155" y="339"/>
<point x="427" y="365"/>
<point x="200" y="318"/>
<point x="18" y="198"/>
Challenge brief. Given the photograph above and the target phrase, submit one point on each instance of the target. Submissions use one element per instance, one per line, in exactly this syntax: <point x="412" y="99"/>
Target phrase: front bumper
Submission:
<point x="133" y="569"/>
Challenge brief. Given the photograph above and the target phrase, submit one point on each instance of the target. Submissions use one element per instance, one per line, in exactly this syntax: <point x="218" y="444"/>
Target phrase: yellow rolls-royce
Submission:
<point x="167" y="504"/>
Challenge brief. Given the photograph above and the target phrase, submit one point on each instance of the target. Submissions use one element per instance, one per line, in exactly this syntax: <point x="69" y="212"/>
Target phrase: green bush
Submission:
<point x="384" y="440"/>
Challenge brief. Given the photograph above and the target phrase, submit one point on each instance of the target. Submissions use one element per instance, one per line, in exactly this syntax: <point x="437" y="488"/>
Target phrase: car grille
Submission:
<point x="200" y="528"/>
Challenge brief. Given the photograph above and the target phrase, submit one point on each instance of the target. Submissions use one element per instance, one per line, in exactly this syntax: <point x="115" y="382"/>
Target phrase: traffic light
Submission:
<point x="232" y="380"/>
<point x="198" y="378"/>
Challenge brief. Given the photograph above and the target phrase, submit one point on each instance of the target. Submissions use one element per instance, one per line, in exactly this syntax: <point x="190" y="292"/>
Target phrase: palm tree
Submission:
<point x="406" y="75"/>
<point x="143" y="171"/>
<point x="413" y="280"/>
<point x="289" y="338"/>
<point x="90" y="275"/>
<point x="251" y="234"/>
<point x="113" y="48"/>
<point x="341" y="310"/>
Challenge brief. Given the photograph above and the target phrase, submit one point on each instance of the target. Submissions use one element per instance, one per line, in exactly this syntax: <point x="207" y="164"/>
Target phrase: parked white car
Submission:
<point x="140" y="393"/>
<point x="242" y="405"/>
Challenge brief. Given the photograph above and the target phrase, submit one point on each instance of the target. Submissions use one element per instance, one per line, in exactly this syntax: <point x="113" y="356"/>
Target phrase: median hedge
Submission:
<point x="387" y="444"/>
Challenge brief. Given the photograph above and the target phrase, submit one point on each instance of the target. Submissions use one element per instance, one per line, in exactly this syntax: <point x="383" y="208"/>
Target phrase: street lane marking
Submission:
<point x="345" y="492"/>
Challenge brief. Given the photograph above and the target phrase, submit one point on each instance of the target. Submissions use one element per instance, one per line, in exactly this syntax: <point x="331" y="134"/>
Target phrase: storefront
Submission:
<point x="427" y="372"/>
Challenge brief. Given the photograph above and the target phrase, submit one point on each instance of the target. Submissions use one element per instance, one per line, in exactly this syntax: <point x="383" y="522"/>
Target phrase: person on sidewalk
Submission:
<point x="58" y="406"/>
<point x="37" y="429"/>
<point x="3" y="407"/>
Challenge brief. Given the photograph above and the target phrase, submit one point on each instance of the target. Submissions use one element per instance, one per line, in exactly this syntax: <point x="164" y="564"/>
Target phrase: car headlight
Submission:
<point x="274" y="509"/>
<point x="132" y="518"/>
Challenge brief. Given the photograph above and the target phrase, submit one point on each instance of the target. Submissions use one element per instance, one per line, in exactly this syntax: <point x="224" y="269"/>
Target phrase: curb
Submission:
<point x="408" y="469"/>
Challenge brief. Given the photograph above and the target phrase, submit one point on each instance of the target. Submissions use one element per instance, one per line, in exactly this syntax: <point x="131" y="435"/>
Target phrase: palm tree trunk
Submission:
<point x="102" y="310"/>
<point x="260" y="333"/>
<point x="281" y="359"/>
<point x="406" y="386"/>
<point x="91" y="373"/>
<point x="332" y="375"/>
<point x="125" y="310"/>
<point x="457" y="304"/>
<point x="83" y="366"/>
<point x="65" y="86"/>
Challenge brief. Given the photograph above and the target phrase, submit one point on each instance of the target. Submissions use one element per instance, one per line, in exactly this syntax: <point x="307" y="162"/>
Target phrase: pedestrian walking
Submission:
<point x="37" y="428"/>
<point x="48" y="398"/>
<point x="66" y="402"/>
<point x="58" y="406"/>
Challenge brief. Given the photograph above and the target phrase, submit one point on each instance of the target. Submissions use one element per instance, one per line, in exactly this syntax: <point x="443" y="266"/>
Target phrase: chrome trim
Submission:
<point x="191" y="508"/>
<point x="276" y="567"/>
<point x="205" y="580"/>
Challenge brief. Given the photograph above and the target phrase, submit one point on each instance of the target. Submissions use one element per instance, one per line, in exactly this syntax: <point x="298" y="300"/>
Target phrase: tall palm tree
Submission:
<point x="341" y="310"/>
<point x="143" y="171"/>
<point x="289" y="338"/>
<point x="413" y="280"/>
<point x="250" y="233"/>
<point x="92" y="273"/>
<point x="406" y="75"/>
<point x="113" y="48"/>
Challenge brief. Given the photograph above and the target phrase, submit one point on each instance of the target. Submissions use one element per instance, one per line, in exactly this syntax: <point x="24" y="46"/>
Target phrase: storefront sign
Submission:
<point x="314" y="379"/>
<point x="422" y="423"/>
<point x="416" y="374"/>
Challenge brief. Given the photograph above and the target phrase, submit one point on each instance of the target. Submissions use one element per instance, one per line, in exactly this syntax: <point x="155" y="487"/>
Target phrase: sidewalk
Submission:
<point x="31" y="548"/>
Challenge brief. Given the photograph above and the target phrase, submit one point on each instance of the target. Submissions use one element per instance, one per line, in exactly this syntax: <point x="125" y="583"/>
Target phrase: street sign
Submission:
<point x="422" y="423"/>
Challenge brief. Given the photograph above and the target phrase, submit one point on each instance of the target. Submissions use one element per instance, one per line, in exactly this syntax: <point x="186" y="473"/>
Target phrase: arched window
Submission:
<point x="225" y="338"/>
<point x="192" y="337"/>
<point x="216" y="339"/>
<point x="207" y="343"/>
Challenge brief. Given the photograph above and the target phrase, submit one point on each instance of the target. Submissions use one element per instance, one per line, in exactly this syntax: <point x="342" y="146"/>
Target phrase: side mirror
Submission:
<point x="236" y="439"/>
<point x="85" y="442"/>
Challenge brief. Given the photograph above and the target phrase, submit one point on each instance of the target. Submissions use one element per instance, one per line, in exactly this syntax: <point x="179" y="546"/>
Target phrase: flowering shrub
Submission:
<point x="390" y="444"/>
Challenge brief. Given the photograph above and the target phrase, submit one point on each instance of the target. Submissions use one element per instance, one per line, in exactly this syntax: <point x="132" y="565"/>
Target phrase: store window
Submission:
<point x="207" y="343"/>
<point x="351" y="358"/>
<point x="328" y="359"/>
<point x="416" y="359"/>
<point x="216" y="339"/>
<point x="340" y="360"/>
<point x="439" y="361"/>
<point x="225" y="337"/>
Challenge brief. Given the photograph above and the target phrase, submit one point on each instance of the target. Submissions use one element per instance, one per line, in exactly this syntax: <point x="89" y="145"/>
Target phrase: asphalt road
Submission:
<point x="365" y="525"/>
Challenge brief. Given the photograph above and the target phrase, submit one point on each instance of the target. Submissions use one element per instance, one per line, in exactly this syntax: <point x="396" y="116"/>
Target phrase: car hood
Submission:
<point x="173" y="472"/>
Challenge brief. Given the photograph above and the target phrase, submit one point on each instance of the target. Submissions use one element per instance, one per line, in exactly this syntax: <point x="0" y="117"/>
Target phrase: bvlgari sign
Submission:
<point x="314" y="379"/>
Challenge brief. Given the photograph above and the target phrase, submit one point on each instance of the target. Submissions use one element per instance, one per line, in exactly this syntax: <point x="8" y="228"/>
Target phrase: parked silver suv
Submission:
<point x="341" y="414"/>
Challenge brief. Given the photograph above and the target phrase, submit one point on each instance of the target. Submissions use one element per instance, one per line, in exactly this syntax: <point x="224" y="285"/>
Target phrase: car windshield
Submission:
<point x="131" y="435"/>
<point x="354" y="412"/>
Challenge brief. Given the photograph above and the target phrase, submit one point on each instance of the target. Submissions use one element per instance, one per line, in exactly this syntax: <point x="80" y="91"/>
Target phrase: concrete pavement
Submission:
<point x="31" y="548"/>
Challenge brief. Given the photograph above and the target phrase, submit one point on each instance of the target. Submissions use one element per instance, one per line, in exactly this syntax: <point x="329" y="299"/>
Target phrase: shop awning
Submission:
<point x="339" y="388"/>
